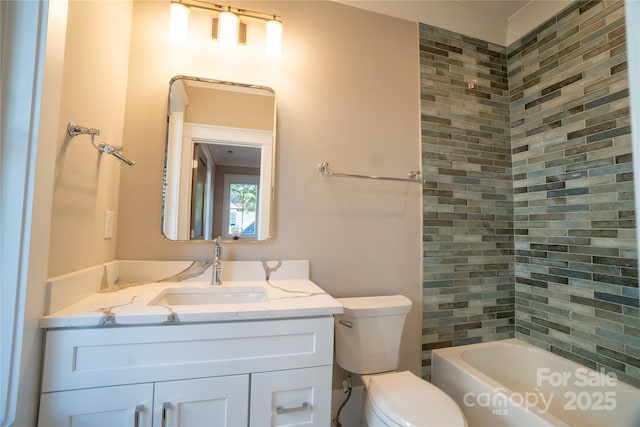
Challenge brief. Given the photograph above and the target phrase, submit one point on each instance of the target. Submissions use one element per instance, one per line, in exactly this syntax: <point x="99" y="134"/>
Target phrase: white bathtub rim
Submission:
<point x="459" y="350"/>
<point x="453" y="357"/>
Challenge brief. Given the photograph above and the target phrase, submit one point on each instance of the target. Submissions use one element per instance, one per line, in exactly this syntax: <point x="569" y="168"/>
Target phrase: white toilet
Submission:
<point x="368" y="342"/>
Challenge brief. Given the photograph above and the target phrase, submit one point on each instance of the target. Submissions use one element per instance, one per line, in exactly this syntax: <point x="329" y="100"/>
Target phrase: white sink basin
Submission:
<point x="212" y="295"/>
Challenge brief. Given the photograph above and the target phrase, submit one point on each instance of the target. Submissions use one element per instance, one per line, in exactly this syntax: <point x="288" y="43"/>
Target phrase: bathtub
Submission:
<point x="512" y="383"/>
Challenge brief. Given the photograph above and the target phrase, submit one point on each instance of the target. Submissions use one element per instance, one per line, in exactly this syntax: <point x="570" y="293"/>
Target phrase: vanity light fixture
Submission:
<point x="228" y="24"/>
<point x="179" y="22"/>
<point x="227" y="27"/>
<point x="273" y="37"/>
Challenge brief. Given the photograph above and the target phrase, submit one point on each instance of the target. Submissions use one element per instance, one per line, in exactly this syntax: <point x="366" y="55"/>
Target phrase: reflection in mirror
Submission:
<point x="219" y="161"/>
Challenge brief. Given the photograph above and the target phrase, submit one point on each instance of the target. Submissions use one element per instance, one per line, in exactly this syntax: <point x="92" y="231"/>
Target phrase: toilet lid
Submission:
<point x="412" y="402"/>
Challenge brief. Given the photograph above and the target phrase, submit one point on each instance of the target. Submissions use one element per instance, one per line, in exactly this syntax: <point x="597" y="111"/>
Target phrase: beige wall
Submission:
<point x="348" y="93"/>
<point x="482" y="20"/>
<point x="86" y="183"/>
<point x="232" y="109"/>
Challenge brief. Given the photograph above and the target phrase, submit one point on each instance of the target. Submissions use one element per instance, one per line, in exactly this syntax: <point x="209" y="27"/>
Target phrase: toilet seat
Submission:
<point x="403" y="399"/>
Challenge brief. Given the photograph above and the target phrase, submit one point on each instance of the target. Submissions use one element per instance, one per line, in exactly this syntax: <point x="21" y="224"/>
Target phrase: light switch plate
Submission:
<point x="108" y="224"/>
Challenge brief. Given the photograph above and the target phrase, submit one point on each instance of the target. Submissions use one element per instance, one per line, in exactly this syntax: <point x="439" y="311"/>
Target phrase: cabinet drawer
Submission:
<point x="300" y="397"/>
<point x="82" y="358"/>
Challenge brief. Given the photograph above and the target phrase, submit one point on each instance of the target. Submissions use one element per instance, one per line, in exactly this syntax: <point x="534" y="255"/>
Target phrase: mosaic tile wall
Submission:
<point x="468" y="283"/>
<point x="574" y="218"/>
<point x="566" y="207"/>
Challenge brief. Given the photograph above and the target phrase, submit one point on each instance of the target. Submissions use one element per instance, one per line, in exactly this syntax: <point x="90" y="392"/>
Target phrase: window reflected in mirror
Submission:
<point x="240" y="208"/>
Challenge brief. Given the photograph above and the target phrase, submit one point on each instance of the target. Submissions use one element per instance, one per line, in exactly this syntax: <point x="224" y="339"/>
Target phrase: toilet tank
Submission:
<point x="368" y="333"/>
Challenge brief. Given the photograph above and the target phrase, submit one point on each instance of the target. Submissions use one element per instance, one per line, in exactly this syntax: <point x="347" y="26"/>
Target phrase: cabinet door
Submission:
<point x="214" y="402"/>
<point x="128" y="406"/>
<point x="300" y="397"/>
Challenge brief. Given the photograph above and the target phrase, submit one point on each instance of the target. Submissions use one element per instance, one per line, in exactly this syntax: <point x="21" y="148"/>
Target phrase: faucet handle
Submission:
<point x="217" y="263"/>
<point x="217" y="246"/>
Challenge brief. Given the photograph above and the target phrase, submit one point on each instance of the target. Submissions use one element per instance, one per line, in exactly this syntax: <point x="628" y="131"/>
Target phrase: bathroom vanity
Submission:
<point x="246" y="353"/>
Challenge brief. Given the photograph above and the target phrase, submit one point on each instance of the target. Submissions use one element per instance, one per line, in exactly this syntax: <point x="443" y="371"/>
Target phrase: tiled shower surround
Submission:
<point x="529" y="221"/>
<point x="468" y="271"/>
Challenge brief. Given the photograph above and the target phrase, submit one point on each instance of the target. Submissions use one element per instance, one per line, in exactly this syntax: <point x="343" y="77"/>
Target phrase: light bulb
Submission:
<point x="178" y="22"/>
<point x="273" y="38"/>
<point x="228" y="24"/>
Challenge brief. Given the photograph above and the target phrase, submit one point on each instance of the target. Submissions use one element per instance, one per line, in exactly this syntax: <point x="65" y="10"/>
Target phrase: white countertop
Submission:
<point x="130" y="306"/>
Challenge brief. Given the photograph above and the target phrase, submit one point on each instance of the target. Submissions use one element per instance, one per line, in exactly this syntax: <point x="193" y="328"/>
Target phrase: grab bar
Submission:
<point x="75" y="130"/>
<point x="413" y="176"/>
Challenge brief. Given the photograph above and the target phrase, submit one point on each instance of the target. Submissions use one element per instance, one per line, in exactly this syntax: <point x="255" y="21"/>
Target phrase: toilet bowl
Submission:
<point x="368" y="336"/>
<point x="403" y="399"/>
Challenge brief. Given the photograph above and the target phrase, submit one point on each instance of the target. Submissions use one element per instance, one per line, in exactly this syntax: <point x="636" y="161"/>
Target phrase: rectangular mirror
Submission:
<point x="219" y="161"/>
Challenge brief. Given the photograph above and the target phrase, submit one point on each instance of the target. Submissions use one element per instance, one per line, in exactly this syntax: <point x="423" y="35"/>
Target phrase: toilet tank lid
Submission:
<point x="375" y="306"/>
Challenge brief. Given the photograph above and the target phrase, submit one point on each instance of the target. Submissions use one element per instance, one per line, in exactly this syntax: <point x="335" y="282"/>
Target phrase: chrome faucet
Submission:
<point x="216" y="277"/>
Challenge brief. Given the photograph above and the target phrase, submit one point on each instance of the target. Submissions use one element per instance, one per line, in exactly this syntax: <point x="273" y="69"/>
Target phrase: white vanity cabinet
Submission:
<point x="245" y="373"/>
<point x="292" y="397"/>
<point x="218" y="401"/>
<point x="128" y="406"/>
